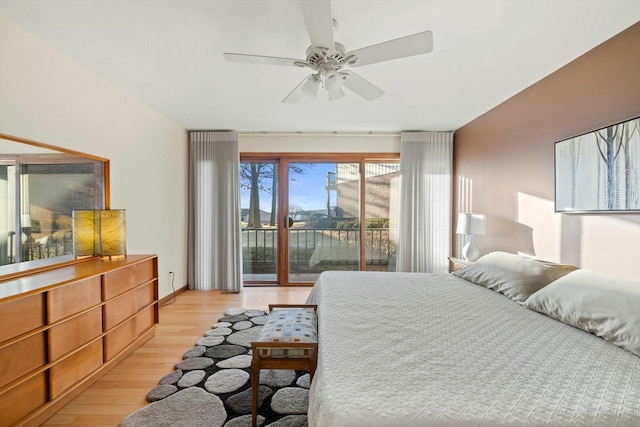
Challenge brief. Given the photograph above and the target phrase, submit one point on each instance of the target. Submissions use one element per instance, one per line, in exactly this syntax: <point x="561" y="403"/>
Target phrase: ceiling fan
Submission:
<point x="328" y="58"/>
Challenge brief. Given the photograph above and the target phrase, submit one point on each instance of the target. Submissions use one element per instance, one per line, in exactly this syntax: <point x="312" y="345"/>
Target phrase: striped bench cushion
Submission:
<point x="294" y="325"/>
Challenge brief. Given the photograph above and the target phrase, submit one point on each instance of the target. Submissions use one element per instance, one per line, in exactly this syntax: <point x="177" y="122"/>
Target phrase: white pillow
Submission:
<point x="513" y="275"/>
<point x="601" y="304"/>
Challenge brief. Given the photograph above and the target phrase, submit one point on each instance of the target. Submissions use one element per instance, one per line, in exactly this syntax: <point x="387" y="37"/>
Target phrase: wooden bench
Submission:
<point x="288" y="340"/>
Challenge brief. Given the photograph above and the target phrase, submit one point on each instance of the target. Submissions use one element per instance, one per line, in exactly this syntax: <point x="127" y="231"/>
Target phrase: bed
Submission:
<point x="409" y="349"/>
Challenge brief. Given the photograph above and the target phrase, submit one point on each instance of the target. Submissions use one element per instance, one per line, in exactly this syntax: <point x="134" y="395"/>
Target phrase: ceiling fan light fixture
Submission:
<point x="336" y="94"/>
<point x="311" y="86"/>
<point x="333" y="80"/>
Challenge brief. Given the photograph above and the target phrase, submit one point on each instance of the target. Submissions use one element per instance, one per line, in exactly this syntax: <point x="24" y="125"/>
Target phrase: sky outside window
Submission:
<point x="302" y="191"/>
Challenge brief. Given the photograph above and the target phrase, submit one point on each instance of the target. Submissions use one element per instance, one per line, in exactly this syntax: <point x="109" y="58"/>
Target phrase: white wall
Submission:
<point x="47" y="97"/>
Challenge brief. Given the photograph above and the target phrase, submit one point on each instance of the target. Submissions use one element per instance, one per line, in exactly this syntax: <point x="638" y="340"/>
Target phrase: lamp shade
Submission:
<point x="333" y="80"/>
<point x="113" y="232"/>
<point x="311" y="86"/>
<point x="99" y="232"/>
<point x="85" y="232"/>
<point x="471" y="224"/>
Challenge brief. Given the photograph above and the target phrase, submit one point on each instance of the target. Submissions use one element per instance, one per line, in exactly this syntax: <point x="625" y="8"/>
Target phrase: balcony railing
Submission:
<point x="317" y="249"/>
<point x="34" y="246"/>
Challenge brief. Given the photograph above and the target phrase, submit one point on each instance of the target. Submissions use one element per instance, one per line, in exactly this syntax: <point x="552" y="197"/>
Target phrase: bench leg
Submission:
<point x="313" y="364"/>
<point x="255" y="385"/>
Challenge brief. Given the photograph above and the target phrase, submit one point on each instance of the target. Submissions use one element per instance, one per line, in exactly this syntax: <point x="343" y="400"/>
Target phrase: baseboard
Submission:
<point x="169" y="298"/>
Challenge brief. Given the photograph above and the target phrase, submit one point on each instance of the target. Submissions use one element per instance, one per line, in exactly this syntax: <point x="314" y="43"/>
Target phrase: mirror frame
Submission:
<point x="11" y="271"/>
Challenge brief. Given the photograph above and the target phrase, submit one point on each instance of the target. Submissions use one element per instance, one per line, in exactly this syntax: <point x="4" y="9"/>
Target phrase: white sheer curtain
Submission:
<point x="215" y="252"/>
<point x="424" y="213"/>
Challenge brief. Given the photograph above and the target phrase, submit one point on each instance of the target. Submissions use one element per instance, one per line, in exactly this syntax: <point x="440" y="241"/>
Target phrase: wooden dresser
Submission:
<point x="63" y="328"/>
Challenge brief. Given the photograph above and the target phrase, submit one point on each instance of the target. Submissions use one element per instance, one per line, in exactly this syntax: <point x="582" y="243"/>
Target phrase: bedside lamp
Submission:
<point x="471" y="225"/>
<point x="99" y="232"/>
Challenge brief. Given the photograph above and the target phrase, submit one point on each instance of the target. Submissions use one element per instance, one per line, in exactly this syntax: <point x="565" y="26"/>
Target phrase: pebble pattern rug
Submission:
<point x="211" y="386"/>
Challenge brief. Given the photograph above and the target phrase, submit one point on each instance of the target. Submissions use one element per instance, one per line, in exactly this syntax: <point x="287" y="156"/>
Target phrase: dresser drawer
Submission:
<point x="22" y="357"/>
<point x="119" y="338"/>
<point x="69" y="371"/>
<point x="144" y="320"/>
<point x="119" y="281"/>
<point x="22" y="399"/>
<point x="145" y="295"/>
<point x="118" y="309"/>
<point x="74" y="332"/>
<point x="21" y="315"/>
<point x="73" y="298"/>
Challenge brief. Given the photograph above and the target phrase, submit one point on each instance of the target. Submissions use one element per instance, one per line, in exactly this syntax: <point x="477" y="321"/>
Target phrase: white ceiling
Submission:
<point x="168" y="53"/>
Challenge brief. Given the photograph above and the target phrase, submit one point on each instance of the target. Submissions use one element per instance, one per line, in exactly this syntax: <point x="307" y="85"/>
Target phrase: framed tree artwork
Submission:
<point x="599" y="171"/>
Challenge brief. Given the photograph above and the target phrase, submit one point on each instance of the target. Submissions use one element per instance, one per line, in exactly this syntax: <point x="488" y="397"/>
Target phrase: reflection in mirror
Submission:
<point x="39" y="188"/>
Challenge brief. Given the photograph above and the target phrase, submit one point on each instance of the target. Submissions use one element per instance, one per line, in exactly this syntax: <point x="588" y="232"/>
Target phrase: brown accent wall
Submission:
<point x="504" y="164"/>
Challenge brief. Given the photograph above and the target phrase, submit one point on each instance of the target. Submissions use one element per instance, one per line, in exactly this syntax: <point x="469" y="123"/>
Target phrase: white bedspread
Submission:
<point x="401" y="349"/>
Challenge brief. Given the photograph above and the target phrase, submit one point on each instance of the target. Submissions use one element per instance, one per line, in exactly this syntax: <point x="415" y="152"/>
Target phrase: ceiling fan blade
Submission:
<point x="362" y="87"/>
<point x="297" y="93"/>
<point x="415" y="44"/>
<point x="319" y="21"/>
<point x="258" y="59"/>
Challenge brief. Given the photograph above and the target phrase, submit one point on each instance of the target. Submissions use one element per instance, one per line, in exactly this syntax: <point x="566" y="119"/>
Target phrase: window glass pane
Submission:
<point x="381" y="186"/>
<point x="259" y="220"/>
<point x="7" y="214"/>
<point x="324" y="205"/>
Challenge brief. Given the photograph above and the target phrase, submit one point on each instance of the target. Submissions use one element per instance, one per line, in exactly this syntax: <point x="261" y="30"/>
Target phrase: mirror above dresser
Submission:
<point x="40" y="185"/>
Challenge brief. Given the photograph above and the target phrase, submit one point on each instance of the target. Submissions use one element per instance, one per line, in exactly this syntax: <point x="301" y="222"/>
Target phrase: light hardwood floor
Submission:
<point x="122" y="390"/>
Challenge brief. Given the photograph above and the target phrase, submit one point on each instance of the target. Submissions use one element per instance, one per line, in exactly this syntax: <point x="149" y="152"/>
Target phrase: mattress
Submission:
<point x="409" y="349"/>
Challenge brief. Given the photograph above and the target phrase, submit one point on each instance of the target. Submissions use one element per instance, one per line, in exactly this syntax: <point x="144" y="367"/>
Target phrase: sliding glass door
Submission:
<point x="259" y="220"/>
<point x="305" y="214"/>
<point x="324" y="206"/>
<point x="380" y="210"/>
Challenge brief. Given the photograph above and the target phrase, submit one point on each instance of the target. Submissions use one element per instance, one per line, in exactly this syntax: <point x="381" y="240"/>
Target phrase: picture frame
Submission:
<point x="599" y="171"/>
